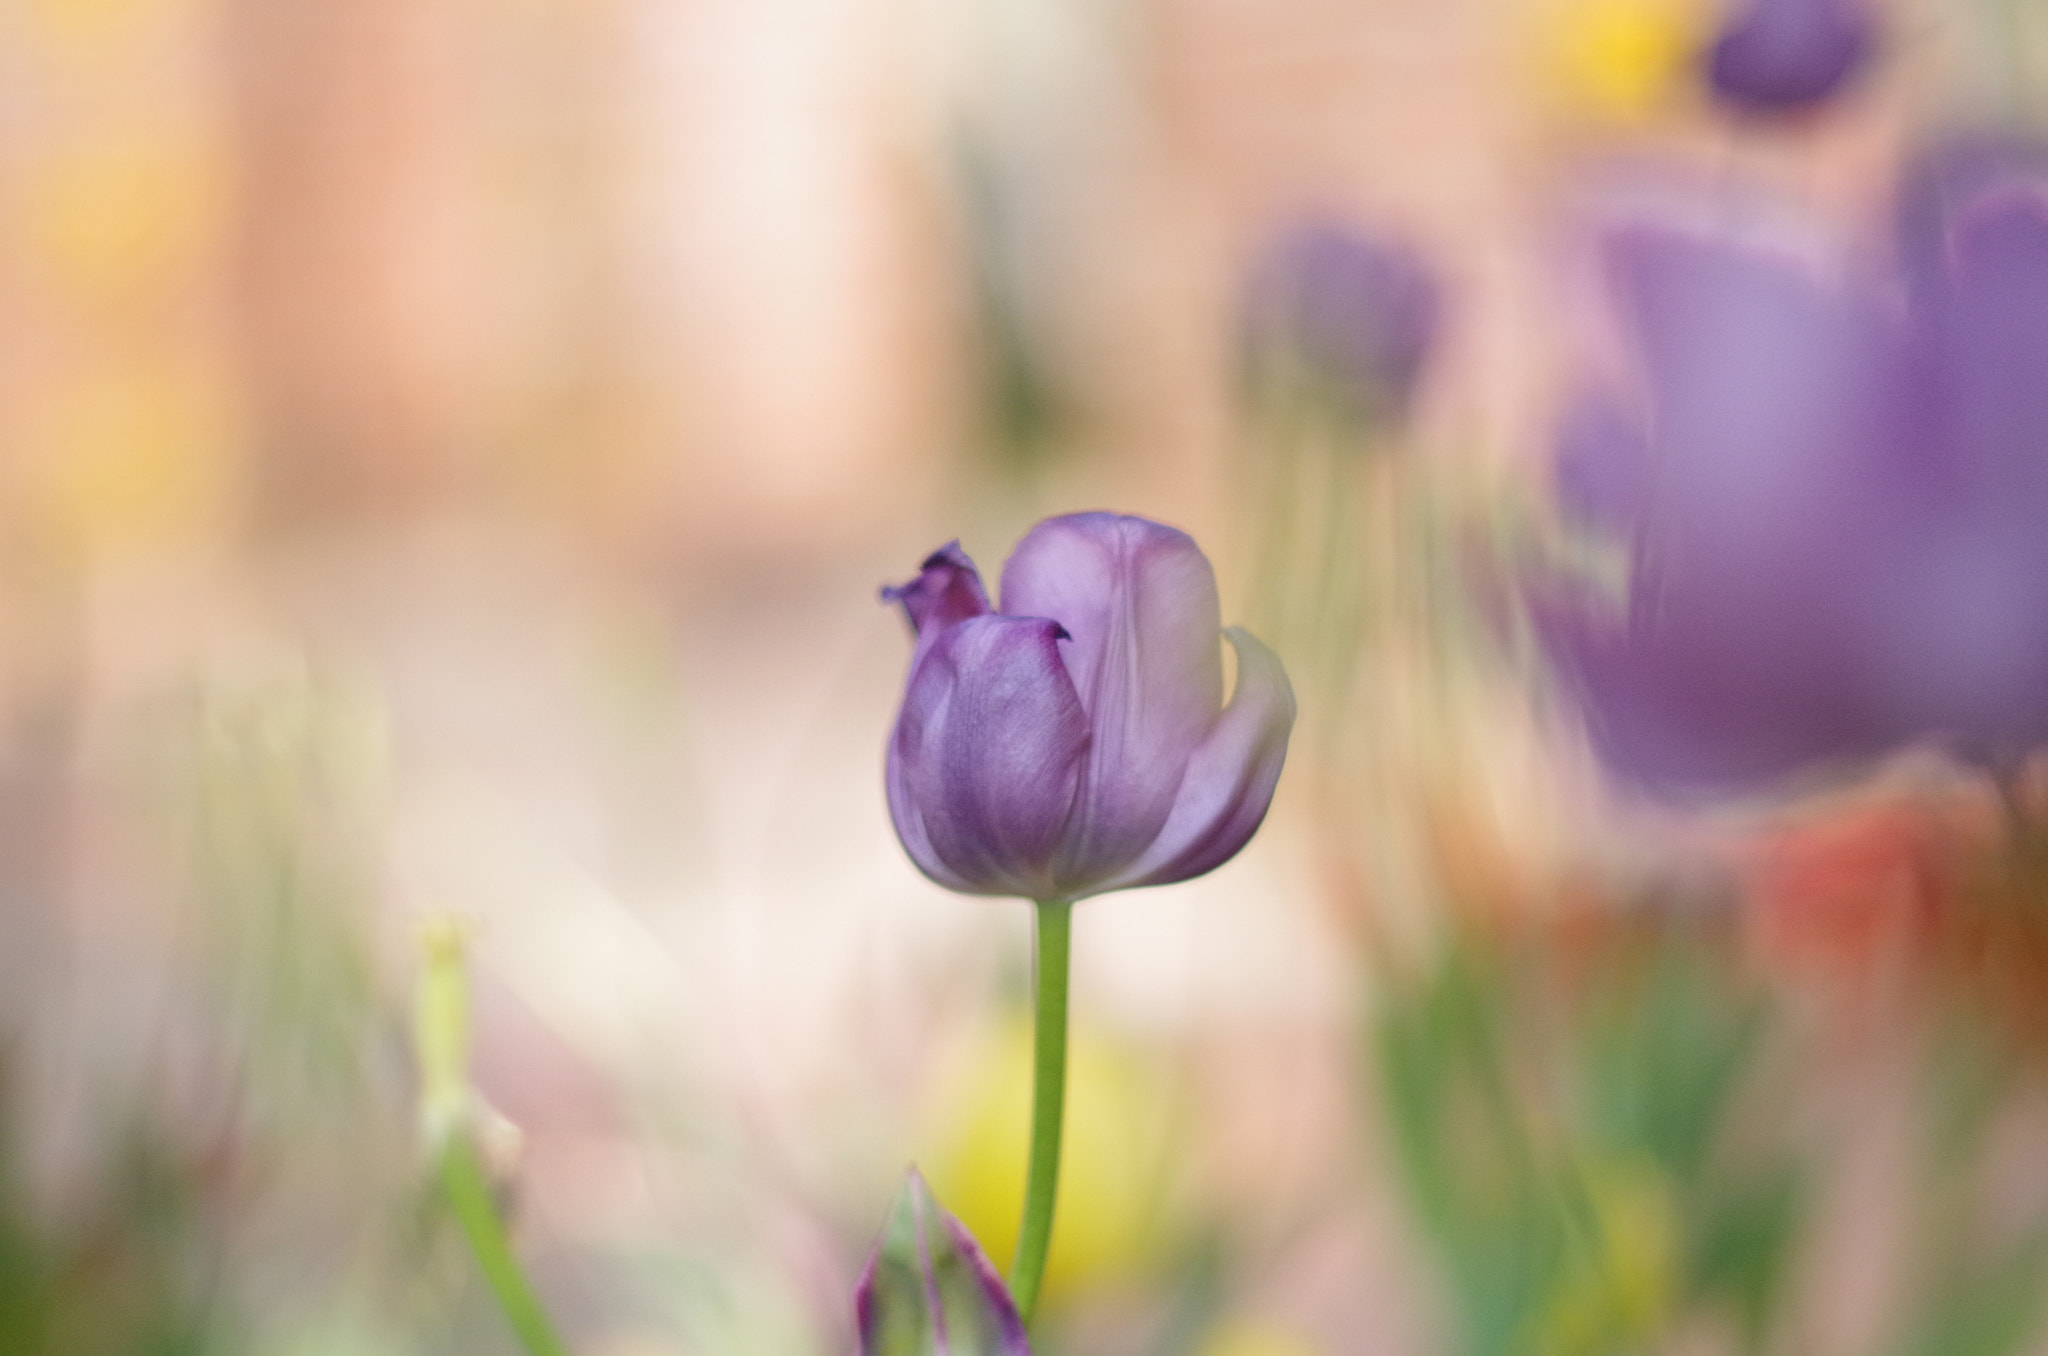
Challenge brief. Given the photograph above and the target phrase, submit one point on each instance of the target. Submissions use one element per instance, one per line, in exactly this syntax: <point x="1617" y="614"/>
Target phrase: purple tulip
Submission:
<point x="929" y="1290"/>
<point x="1940" y="183"/>
<point x="1963" y="651"/>
<point x="1077" y="741"/>
<point x="1603" y="467"/>
<point x="1755" y="496"/>
<point x="1357" y="317"/>
<point x="1784" y="56"/>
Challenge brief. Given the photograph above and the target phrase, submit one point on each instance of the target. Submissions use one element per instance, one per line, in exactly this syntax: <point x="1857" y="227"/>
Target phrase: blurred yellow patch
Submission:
<point x="1248" y="1337"/>
<point x="1618" y="59"/>
<point x="1114" y="1155"/>
<point x="1619" y="1291"/>
<point x="78" y="22"/>
<point x="133" y="457"/>
<point x="126" y="219"/>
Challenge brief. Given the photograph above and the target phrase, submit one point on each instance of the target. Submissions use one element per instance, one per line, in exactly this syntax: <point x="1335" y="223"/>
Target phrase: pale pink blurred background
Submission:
<point x="464" y="441"/>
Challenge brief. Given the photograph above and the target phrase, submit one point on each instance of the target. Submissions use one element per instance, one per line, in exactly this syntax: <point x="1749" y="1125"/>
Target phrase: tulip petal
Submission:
<point x="987" y="756"/>
<point x="1780" y="407"/>
<point x="1230" y="778"/>
<point x="1964" y="644"/>
<point x="1680" y="710"/>
<point x="947" y="590"/>
<point x="1140" y="601"/>
<point x="1764" y="500"/>
<point x="1602" y="473"/>
<point x="929" y="1290"/>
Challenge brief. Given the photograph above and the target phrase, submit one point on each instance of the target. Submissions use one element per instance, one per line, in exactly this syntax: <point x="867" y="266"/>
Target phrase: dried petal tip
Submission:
<point x="929" y="1290"/>
<point x="947" y="590"/>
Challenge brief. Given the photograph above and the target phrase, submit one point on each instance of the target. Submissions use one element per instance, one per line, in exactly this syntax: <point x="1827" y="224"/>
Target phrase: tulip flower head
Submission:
<point x="1964" y="651"/>
<point x="1832" y="503"/>
<point x="1756" y="495"/>
<point x="1077" y="741"/>
<point x="1353" y="317"/>
<point x="1785" y="56"/>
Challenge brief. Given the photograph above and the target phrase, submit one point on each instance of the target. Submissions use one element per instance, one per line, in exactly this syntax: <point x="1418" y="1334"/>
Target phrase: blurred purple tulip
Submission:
<point x="1756" y="496"/>
<point x="929" y="1290"/>
<point x="1836" y="507"/>
<point x="1356" y="317"/>
<point x="1938" y="185"/>
<point x="1602" y="471"/>
<point x="1784" y="56"/>
<point x="1964" y="645"/>
<point x="1077" y="741"/>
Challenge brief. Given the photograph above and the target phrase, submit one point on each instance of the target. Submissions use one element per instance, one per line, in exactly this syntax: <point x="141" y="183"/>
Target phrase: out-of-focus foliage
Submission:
<point x="137" y="1272"/>
<point x="1576" y="1128"/>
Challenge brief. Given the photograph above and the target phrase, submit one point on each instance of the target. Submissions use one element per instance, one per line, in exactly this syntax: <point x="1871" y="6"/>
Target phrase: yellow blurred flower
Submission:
<point x="1618" y="59"/>
<point x="1114" y="1155"/>
<point x="86" y="24"/>
<point x="1249" y="1337"/>
<point x="135" y="456"/>
<point x="1619" y="1291"/>
<point x="127" y="218"/>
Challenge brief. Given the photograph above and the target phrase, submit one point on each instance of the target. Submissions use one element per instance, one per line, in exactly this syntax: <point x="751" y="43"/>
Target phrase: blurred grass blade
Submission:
<point x="448" y="1110"/>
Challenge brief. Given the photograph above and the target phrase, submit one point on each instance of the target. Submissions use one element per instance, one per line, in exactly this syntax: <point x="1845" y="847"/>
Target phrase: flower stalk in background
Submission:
<point x="1074" y="743"/>
<point x="1337" y="324"/>
<point x="451" y="1113"/>
<point x="929" y="1290"/>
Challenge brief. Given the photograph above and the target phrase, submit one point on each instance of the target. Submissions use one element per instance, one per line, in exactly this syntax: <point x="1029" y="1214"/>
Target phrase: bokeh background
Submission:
<point x="450" y="455"/>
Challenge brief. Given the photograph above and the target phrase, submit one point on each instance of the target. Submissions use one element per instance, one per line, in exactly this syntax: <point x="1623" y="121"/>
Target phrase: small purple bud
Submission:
<point x="1078" y="741"/>
<point x="1354" y="316"/>
<point x="929" y="1290"/>
<point x="1785" y="56"/>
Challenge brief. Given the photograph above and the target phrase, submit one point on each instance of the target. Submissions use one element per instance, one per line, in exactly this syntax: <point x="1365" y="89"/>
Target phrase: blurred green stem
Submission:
<point x="449" y="1107"/>
<point x="1048" y="1104"/>
<point x="469" y="1192"/>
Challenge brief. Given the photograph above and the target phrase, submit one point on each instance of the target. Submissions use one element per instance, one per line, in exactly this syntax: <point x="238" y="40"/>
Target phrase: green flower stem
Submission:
<point x="469" y="1192"/>
<point x="1048" y="1104"/>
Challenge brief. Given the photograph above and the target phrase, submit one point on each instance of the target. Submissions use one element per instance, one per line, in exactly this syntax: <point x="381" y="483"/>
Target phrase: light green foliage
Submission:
<point x="1572" y="1149"/>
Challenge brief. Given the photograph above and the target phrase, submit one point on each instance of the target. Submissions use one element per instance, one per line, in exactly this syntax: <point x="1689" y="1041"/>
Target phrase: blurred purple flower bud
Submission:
<point x="1758" y="503"/>
<point x="1077" y="742"/>
<point x="1784" y="56"/>
<point x="1354" y="316"/>
<point x="929" y="1289"/>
